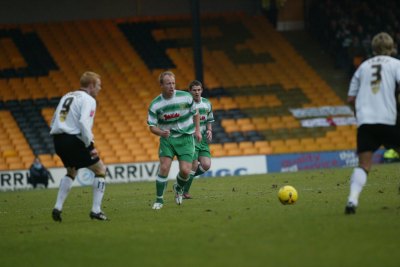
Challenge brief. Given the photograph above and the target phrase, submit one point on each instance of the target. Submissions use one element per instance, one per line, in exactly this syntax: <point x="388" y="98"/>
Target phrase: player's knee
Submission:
<point x="164" y="169"/>
<point x="102" y="171"/>
<point x="185" y="171"/>
<point x="99" y="169"/>
<point x="195" y="164"/>
<point x="100" y="175"/>
<point x="365" y="168"/>
<point x="206" y="166"/>
<point x="71" y="174"/>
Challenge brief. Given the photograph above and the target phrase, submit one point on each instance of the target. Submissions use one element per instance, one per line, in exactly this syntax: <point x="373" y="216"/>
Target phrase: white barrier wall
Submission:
<point x="226" y="166"/>
<point x="147" y="171"/>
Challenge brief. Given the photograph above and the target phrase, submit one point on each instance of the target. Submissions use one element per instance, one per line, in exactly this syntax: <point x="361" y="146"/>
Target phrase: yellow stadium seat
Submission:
<point x="265" y="150"/>
<point x="126" y="158"/>
<point x="110" y="159"/>
<point x="232" y="128"/>
<point x="230" y="146"/>
<point x="17" y="165"/>
<point x="9" y="153"/>
<point x="250" y="151"/>
<point x="245" y="144"/>
<point x="3" y="166"/>
<point x="142" y="158"/>
<point x="260" y="144"/>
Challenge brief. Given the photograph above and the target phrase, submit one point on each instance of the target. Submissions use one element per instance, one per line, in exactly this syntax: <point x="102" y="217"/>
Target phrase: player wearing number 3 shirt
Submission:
<point x="71" y="129"/>
<point x="372" y="90"/>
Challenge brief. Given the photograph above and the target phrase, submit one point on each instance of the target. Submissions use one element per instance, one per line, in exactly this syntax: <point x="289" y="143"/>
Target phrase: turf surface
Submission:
<point x="232" y="221"/>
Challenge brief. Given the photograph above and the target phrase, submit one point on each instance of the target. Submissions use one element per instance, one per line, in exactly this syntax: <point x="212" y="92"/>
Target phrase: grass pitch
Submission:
<point x="232" y="221"/>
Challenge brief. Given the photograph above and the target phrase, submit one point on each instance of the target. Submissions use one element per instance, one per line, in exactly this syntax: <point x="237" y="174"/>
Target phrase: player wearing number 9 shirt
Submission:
<point x="372" y="90"/>
<point x="71" y="128"/>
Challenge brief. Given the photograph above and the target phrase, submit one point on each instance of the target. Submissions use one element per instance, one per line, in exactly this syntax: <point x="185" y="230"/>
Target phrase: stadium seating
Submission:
<point x="252" y="76"/>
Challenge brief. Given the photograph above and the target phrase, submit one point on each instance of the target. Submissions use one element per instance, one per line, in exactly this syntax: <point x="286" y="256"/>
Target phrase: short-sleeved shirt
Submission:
<point x="374" y="85"/>
<point x="74" y="115"/>
<point x="174" y="114"/>
<point x="206" y="115"/>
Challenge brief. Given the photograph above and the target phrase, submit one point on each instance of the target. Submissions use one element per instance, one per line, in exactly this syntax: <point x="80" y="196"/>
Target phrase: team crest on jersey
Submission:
<point x="91" y="113"/>
<point x="376" y="86"/>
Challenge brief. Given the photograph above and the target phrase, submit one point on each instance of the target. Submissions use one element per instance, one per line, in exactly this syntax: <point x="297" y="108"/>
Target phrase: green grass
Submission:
<point x="232" y="221"/>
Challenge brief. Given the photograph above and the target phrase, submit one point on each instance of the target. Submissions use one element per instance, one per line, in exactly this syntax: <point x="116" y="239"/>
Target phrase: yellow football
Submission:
<point x="287" y="195"/>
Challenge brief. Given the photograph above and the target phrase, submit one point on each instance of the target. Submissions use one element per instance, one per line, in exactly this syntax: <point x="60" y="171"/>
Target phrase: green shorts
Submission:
<point x="182" y="147"/>
<point x="202" y="149"/>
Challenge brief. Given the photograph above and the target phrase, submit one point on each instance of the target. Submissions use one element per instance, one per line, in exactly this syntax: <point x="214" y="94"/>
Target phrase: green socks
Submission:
<point x="189" y="182"/>
<point x="181" y="182"/>
<point x="161" y="184"/>
<point x="199" y="170"/>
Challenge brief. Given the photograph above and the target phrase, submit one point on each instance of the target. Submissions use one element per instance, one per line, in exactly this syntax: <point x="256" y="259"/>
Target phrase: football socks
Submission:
<point x="99" y="185"/>
<point x="161" y="184"/>
<point x="65" y="187"/>
<point x="199" y="170"/>
<point x="357" y="182"/>
<point x="181" y="181"/>
<point x="189" y="182"/>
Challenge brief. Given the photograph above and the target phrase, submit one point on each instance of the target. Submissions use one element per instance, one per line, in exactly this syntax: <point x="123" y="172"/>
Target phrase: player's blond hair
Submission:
<point x="88" y="78"/>
<point x="382" y="44"/>
<point x="163" y="74"/>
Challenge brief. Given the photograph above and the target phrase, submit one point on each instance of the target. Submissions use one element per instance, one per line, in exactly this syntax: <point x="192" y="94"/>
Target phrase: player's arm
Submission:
<point x="210" y="120"/>
<point x="86" y="122"/>
<point x="196" y="119"/>
<point x="209" y="132"/>
<point x="351" y="100"/>
<point x="157" y="131"/>
<point x="353" y="88"/>
<point x="152" y="122"/>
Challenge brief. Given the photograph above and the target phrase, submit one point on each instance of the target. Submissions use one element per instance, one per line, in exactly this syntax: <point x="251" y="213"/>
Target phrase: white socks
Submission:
<point x="99" y="185"/>
<point x="357" y="182"/>
<point x="65" y="186"/>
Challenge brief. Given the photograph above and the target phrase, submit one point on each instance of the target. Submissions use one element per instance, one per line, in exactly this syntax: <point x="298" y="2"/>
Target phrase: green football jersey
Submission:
<point x="174" y="114"/>
<point x="206" y="114"/>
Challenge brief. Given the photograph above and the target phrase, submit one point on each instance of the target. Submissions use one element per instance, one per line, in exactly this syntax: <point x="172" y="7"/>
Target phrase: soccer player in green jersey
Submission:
<point x="173" y="116"/>
<point x="202" y="155"/>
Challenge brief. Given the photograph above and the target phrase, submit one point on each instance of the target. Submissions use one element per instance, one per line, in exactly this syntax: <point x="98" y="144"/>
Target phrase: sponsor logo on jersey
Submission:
<point x="171" y="116"/>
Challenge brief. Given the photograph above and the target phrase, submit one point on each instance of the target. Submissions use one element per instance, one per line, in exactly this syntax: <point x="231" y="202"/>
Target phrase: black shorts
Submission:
<point x="371" y="136"/>
<point x="73" y="152"/>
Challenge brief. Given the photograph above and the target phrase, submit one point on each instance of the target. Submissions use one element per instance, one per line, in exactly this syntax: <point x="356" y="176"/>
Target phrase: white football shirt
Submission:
<point x="374" y="85"/>
<point x="74" y="115"/>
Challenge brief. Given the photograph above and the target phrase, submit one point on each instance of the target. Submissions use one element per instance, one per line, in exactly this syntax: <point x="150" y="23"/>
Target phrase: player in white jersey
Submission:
<point x="71" y="128"/>
<point x="202" y="155"/>
<point x="372" y="90"/>
<point x="173" y="116"/>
